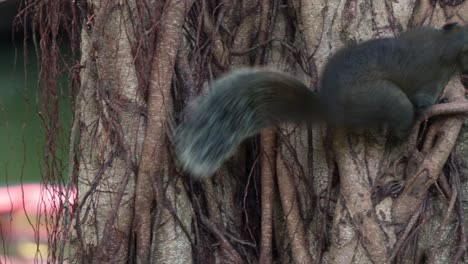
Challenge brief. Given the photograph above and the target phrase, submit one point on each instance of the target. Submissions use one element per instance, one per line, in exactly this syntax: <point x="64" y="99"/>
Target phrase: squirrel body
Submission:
<point x="385" y="80"/>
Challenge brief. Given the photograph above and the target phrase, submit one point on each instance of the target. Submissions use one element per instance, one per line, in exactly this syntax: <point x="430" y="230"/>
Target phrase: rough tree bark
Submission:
<point x="294" y="194"/>
<point x="123" y="137"/>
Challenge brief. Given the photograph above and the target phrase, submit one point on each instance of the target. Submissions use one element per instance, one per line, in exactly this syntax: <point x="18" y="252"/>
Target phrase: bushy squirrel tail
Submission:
<point x="239" y="105"/>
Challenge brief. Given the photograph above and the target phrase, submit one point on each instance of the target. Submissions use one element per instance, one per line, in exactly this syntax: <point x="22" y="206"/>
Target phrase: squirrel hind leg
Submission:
<point x="380" y="102"/>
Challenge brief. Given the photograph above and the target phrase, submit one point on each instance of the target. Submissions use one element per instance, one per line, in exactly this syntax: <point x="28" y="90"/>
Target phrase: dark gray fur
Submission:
<point x="378" y="81"/>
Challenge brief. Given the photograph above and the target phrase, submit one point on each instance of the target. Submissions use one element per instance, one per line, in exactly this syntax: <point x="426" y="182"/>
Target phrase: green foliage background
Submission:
<point x="21" y="135"/>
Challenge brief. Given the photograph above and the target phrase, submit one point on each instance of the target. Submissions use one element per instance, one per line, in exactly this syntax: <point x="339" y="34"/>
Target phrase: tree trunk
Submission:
<point x="293" y="194"/>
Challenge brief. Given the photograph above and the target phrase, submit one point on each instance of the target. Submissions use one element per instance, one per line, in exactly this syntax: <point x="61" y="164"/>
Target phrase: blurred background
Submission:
<point x="23" y="200"/>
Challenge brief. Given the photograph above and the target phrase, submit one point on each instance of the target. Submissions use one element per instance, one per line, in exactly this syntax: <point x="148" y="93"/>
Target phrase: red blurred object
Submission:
<point x="33" y="198"/>
<point x="23" y="209"/>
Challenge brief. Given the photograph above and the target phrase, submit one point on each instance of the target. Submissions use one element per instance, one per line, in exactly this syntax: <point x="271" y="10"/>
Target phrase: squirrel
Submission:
<point x="379" y="81"/>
